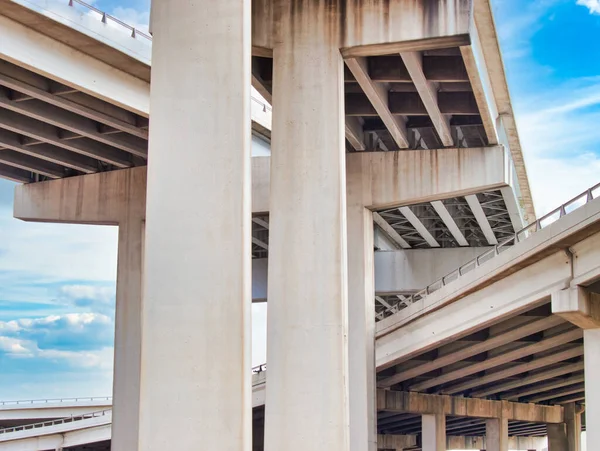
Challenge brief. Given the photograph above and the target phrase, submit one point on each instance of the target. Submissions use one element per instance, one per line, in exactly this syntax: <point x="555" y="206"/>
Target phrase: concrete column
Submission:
<point x="361" y="327"/>
<point x="557" y="437"/>
<point x="307" y="389"/>
<point x="573" y="421"/>
<point x="433" y="430"/>
<point x="196" y="378"/>
<point x="496" y="434"/>
<point x="128" y="335"/>
<point x="591" y="343"/>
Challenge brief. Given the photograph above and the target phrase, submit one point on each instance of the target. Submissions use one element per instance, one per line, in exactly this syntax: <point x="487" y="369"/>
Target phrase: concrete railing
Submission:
<point x="549" y="218"/>
<point x="59" y="421"/>
<point x="29" y="402"/>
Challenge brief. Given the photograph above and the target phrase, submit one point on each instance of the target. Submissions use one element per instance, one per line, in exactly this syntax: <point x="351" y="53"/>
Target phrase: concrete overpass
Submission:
<point x="429" y="173"/>
<point x="527" y="351"/>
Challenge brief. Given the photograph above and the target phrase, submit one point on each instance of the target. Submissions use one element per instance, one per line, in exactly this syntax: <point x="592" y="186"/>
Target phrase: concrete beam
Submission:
<point x="388" y="179"/>
<point x="577" y="305"/>
<point x="428" y="93"/>
<point x="424" y="404"/>
<point x="396" y="442"/>
<point x="381" y="28"/>
<point x="415" y="176"/>
<point x="39" y="53"/>
<point x="378" y="96"/>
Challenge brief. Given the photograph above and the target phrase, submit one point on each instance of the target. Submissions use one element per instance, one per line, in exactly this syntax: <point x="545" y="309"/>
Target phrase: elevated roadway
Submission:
<point x="496" y="329"/>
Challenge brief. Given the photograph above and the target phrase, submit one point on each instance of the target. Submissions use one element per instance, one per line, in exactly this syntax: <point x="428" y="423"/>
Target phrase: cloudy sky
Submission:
<point x="57" y="282"/>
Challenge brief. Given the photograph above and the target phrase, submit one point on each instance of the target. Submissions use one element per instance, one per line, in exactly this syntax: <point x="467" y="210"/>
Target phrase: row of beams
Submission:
<point x="516" y="354"/>
<point x="531" y="379"/>
<point x="540" y="388"/>
<point x="28" y="163"/>
<point x="15" y="174"/>
<point x="517" y="369"/>
<point x="47" y="152"/>
<point x="554" y="394"/>
<point x="53" y="98"/>
<point x="66" y="120"/>
<point x="471" y="350"/>
<point x="411" y="104"/>
<point x="428" y="92"/>
<point x="49" y="134"/>
<point x="378" y="96"/>
<point x="424" y="404"/>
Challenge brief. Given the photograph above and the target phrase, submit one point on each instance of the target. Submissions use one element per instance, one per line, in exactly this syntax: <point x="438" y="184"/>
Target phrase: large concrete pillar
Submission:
<point x="591" y="344"/>
<point x="573" y="422"/>
<point x="361" y="326"/>
<point x="307" y="389"/>
<point x="128" y="334"/>
<point x="496" y="434"/>
<point x="433" y="432"/>
<point x="196" y="378"/>
<point x="557" y="437"/>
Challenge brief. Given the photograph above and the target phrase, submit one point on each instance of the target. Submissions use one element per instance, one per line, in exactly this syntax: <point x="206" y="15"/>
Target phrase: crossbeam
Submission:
<point x="425" y="404"/>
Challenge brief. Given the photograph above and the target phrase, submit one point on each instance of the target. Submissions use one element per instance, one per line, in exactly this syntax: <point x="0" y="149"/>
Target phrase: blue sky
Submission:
<point x="57" y="281"/>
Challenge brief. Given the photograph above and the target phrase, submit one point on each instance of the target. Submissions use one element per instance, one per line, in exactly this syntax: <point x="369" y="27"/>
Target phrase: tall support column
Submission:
<point x="557" y="437"/>
<point x="307" y="389"/>
<point x="128" y="335"/>
<point x="573" y="421"/>
<point x="496" y="434"/>
<point x="591" y="344"/>
<point x="433" y="432"/>
<point x="361" y="324"/>
<point x="196" y="378"/>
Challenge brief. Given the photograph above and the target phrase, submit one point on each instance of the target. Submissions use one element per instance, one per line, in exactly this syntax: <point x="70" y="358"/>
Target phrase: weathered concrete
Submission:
<point x="557" y="437"/>
<point x="361" y="321"/>
<point x="573" y="422"/>
<point x="591" y="341"/>
<point x="396" y="442"/>
<point x="479" y="443"/>
<point x="424" y="404"/>
<point x="307" y="320"/>
<point x="128" y="319"/>
<point x="379" y="27"/>
<point x="577" y="305"/>
<point x="195" y="384"/>
<point x="496" y="433"/>
<point x="433" y="436"/>
<point x="420" y="176"/>
<point x="114" y="198"/>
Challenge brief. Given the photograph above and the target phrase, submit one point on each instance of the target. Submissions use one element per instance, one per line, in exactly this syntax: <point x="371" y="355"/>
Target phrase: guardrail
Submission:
<point x="66" y="420"/>
<point x="259" y="368"/>
<point x="52" y="401"/>
<point x="104" y="17"/>
<point x="549" y="218"/>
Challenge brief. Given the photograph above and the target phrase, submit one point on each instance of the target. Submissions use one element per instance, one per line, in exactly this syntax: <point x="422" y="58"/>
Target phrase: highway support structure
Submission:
<point x="184" y="238"/>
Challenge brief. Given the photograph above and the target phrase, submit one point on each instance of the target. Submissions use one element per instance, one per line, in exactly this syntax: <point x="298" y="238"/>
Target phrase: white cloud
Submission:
<point x="592" y="5"/>
<point x="560" y="136"/>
